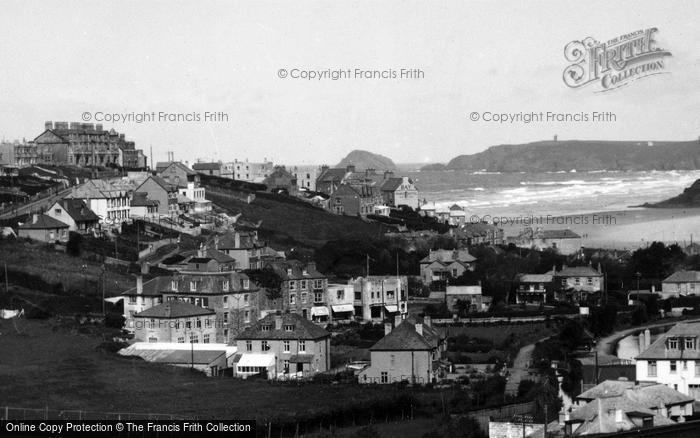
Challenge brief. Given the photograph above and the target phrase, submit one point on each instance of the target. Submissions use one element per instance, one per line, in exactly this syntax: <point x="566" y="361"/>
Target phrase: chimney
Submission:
<point x="387" y="328"/>
<point x="145" y="268"/>
<point x="216" y="242"/>
<point x="350" y="168"/>
<point x="427" y="321"/>
<point x="167" y="310"/>
<point x="563" y="416"/>
<point x="397" y="320"/>
<point x="618" y="415"/>
<point x="311" y="266"/>
<point x="278" y="322"/>
<point x="647" y="339"/>
<point x="419" y="329"/>
<point x="35" y="218"/>
<point x="48" y="125"/>
<point x="139" y="284"/>
<point x="236" y="240"/>
<point x="324" y="168"/>
<point x="653" y="288"/>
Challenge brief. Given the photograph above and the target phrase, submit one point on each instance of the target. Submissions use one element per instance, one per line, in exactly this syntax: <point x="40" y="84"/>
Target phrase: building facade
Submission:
<point x="109" y="202"/>
<point x="251" y="172"/>
<point x="175" y="321"/>
<point x="681" y="283"/>
<point x="74" y="213"/>
<point x="443" y="264"/>
<point x="378" y="297"/>
<point x="400" y="191"/>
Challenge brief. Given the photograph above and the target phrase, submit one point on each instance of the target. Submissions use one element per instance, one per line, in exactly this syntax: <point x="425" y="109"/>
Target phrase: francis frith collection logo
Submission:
<point x="615" y="63"/>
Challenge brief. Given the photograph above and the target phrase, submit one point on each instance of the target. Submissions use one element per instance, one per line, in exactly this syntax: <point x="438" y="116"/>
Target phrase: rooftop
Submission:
<point x="683" y="277"/>
<point x="42" y="222"/>
<point x="174" y="309"/>
<point x="293" y="326"/>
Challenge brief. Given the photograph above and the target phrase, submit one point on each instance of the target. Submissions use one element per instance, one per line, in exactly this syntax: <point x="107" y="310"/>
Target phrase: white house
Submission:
<point x="681" y="283"/>
<point x="674" y="360"/>
<point x="108" y="201"/>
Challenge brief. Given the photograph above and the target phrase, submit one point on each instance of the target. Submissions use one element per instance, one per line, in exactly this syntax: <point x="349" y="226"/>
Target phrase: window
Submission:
<point x="181" y="340"/>
<point x="589" y="281"/>
<point x="292" y="285"/>
<point x="340" y="294"/>
<point x="225" y="286"/>
<point x="303" y="297"/>
<point x="318" y="296"/>
<point x="697" y="368"/>
<point x="689" y="344"/>
<point x="188" y="324"/>
<point x="194" y="339"/>
<point x="265" y="328"/>
<point x="152" y="339"/>
<point x="685" y="365"/>
<point x="577" y="280"/>
<point x="289" y="328"/>
<point x="246" y="283"/>
<point x="393" y="361"/>
<point x="286" y="367"/>
<point x="265" y="346"/>
<point x="563" y="282"/>
<point x="225" y="302"/>
<point x="385" y="377"/>
<point x="285" y="344"/>
<point x="57" y="211"/>
<point x="302" y="346"/>
<point x="245" y="299"/>
<point x="193" y="286"/>
<point x="132" y="300"/>
<point x="248" y="345"/>
<point x="673" y="344"/>
<point x="292" y="298"/>
<point x="674" y="366"/>
<point x="198" y="323"/>
<point x="246" y="316"/>
<point x="206" y="339"/>
<point x="302" y="284"/>
<point x="225" y="317"/>
<point x="651" y="368"/>
<point x="207" y="323"/>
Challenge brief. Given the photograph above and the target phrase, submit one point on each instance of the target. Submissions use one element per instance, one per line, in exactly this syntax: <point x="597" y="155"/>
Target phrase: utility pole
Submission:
<point x="7" y="283"/>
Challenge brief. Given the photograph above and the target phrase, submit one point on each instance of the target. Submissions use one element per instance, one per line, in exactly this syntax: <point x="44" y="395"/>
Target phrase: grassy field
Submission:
<point x="58" y="365"/>
<point x="288" y="222"/>
<point x="524" y="333"/>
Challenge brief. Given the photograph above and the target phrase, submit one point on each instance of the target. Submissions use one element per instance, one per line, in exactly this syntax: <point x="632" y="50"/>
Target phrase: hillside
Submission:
<point x="290" y="223"/>
<point x="582" y="155"/>
<point x="367" y="160"/>
<point x="689" y="198"/>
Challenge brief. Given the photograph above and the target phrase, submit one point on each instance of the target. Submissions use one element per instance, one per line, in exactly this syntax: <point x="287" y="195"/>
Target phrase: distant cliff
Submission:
<point x="689" y="198"/>
<point x="553" y="156"/>
<point x="367" y="160"/>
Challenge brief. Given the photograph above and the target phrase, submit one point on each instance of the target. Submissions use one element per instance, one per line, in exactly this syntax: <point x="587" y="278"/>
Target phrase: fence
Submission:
<point x="14" y="413"/>
<point x="483" y="416"/>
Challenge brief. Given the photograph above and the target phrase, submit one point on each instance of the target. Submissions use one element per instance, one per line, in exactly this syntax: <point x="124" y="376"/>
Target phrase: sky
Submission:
<point x="60" y="60"/>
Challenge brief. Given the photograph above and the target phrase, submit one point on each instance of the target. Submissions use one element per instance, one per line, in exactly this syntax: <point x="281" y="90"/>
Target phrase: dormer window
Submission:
<point x="289" y="271"/>
<point x="225" y="285"/>
<point x="265" y="328"/>
<point x="246" y="283"/>
<point x="173" y="285"/>
<point x="689" y="343"/>
<point x="673" y="344"/>
<point x="289" y="328"/>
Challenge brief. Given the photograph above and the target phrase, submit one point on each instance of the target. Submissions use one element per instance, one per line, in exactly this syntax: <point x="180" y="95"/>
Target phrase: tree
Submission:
<point x="269" y="280"/>
<point x="73" y="245"/>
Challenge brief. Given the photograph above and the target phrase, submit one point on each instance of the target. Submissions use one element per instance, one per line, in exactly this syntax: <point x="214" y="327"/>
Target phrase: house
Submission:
<point x="75" y="213"/>
<point x="281" y="181"/>
<point x="410" y="351"/>
<point x="442" y="264"/>
<point x="478" y="233"/>
<point x="681" y="283"/>
<point x="108" y="200"/>
<point x="673" y="360"/>
<point x="283" y="346"/>
<point x="457" y="216"/>
<point x="378" y="297"/>
<point x="468" y="294"/>
<point x="251" y="172"/>
<point x="303" y="289"/>
<point x="177" y="174"/>
<point x="245" y="247"/>
<point x="175" y="321"/>
<point x="353" y="200"/>
<point x="143" y="206"/>
<point x="577" y="283"/>
<point x="534" y="288"/>
<point x="306" y="176"/>
<point x="215" y="169"/>
<point x="400" y="191"/>
<point x="564" y="241"/>
<point x="428" y="210"/>
<point x="43" y="228"/>
<point x="655" y="396"/>
<point x="205" y="282"/>
<point x="162" y="192"/>
<point x="341" y="299"/>
<point x="330" y="179"/>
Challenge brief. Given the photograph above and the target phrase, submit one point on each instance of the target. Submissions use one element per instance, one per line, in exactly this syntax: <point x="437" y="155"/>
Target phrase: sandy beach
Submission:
<point x="625" y="229"/>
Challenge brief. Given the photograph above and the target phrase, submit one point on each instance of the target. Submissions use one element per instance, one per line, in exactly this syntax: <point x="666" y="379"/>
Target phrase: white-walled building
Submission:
<point x="674" y="360"/>
<point x="109" y="202"/>
<point x="378" y="297"/>
<point x="681" y="283"/>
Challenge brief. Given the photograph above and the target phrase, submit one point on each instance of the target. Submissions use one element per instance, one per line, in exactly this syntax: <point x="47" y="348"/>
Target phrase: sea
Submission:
<point x="548" y="193"/>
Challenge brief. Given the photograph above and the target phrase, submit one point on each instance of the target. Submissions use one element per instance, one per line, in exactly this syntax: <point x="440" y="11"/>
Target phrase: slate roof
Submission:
<point x="174" y="309"/>
<point x="536" y="278"/>
<point x="360" y="190"/>
<point x="392" y="184"/>
<point x="198" y="357"/>
<point x="43" y="222"/>
<point x="248" y="240"/>
<point x="77" y="210"/>
<point x="281" y="268"/>
<point x="97" y="189"/>
<point x="578" y="271"/>
<point x="598" y="415"/>
<point x="152" y="287"/>
<point x="206" y="166"/>
<point x="303" y="329"/>
<point x="683" y="277"/>
<point x="650" y="395"/>
<point x="658" y="350"/>
<point x="404" y="338"/>
<point x="333" y="175"/>
<point x="180" y="165"/>
<point x="449" y="256"/>
<point x="161" y="182"/>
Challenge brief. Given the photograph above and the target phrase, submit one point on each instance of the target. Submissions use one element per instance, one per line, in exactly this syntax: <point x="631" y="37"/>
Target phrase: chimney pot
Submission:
<point x="419" y="329"/>
<point x="427" y="321"/>
<point x="139" y="284"/>
<point x="278" y="322"/>
<point x="387" y="328"/>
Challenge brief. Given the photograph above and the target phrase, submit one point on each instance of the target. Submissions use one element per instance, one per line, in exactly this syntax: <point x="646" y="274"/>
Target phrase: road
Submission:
<point x="35" y="205"/>
<point x="521" y="368"/>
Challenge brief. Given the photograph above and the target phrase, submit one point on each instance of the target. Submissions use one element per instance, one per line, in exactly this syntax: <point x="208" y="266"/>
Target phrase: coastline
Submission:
<point x="623" y="229"/>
